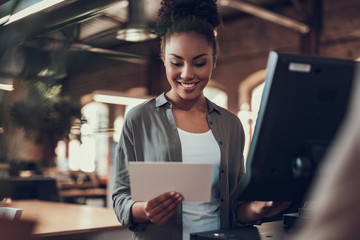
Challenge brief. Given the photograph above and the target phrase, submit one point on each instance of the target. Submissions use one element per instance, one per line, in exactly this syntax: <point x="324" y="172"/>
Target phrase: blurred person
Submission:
<point x="333" y="206"/>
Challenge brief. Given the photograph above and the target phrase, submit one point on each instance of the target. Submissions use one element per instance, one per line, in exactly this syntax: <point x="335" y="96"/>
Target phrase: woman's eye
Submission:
<point x="200" y="64"/>
<point x="176" y="64"/>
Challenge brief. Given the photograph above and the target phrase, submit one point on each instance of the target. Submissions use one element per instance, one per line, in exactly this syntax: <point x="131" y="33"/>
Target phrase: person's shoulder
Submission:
<point x="231" y="118"/>
<point x="223" y="111"/>
<point x="228" y="119"/>
<point x="228" y="113"/>
<point x="141" y="109"/>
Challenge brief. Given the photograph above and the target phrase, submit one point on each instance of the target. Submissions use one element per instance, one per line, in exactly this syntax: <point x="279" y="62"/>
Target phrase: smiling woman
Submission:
<point x="182" y="125"/>
<point x="189" y="64"/>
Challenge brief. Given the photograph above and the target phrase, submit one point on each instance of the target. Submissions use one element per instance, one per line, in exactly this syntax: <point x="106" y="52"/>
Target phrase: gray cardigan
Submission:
<point x="150" y="134"/>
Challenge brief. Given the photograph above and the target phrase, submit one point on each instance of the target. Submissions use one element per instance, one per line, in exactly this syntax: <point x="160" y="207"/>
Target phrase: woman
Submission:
<point x="181" y="125"/>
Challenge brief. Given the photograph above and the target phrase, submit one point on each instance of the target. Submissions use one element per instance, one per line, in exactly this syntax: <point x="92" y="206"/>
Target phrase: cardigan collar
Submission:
<point x="161" y="101"/>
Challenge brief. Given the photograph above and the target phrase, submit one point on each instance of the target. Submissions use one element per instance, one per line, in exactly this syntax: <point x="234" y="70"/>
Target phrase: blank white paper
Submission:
<point x="151" y="179"/>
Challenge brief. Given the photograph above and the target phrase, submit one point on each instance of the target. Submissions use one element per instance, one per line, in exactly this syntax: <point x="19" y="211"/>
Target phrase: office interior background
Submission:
<point x="70" y="70"/>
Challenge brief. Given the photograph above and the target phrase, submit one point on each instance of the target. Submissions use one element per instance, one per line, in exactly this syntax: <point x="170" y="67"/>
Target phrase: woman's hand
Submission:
<point x="254" y="211"/>
<point x="269" y="209"/>
<point x="158" y="210"/>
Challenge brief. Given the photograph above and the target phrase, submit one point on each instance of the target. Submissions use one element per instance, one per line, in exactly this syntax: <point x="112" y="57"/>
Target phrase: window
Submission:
<point x="90" y="151"/>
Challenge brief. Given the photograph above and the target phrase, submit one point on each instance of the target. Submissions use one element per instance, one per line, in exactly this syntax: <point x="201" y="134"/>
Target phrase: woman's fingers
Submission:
<point x="261" y="208"/>
<point x="160" y="209"/>
<point x="165" y="215"/>
<point x="270" y="208"/>
<point x="161" y="199"/>
<point x="277" y="208"/>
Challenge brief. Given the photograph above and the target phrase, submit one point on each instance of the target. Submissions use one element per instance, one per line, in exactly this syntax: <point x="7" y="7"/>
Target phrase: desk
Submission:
<point x="55" y="220"/>
<point x="272" y="230"/>
<point x="69" y="195"/>
<point x="88" y="192"/>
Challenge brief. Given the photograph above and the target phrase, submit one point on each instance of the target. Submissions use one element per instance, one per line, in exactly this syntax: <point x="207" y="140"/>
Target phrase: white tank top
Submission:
<point x="201" y="216"/>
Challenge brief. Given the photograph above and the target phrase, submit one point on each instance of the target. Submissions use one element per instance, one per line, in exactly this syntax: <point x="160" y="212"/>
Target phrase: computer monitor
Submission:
<point x="303" y="103"/>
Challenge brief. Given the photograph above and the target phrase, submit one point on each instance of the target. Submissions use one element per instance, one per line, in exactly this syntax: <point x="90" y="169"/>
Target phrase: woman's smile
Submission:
<point x="188" y="86"/>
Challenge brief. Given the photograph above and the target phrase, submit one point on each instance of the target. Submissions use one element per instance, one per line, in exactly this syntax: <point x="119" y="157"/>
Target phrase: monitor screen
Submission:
<point x="303" y="103"/>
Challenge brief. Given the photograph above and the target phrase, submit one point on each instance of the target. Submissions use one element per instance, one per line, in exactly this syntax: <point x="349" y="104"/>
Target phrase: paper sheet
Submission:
<point x="10" y="213"/>
<point x="151" y="179"/>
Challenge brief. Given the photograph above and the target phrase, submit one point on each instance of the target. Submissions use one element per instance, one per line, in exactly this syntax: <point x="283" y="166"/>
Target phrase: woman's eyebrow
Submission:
<point x="194" y="58"/>
<point x="201" y="55"/>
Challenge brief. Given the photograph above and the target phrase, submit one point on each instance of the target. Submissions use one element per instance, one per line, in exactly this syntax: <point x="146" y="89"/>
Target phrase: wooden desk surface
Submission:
<point x="56" y="219"/>
<point x="272" y="230"/>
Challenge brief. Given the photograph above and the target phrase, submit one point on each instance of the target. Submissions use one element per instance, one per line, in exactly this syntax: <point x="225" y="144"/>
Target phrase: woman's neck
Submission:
<point x="190" y="115"/>
<point x="198" y="104"/>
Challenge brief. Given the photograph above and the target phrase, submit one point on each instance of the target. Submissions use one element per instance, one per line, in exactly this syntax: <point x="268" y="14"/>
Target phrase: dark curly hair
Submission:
<point x="181" y="16"/>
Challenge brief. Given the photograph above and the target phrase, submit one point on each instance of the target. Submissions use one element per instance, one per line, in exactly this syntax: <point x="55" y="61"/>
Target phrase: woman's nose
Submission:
<point x="187" y="72"/>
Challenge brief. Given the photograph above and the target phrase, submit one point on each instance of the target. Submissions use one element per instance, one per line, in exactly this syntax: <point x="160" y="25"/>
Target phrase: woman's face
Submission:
<point x="189" y="62"/>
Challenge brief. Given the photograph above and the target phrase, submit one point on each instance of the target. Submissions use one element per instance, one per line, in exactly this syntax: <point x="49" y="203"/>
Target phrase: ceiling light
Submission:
<point x="6" y="87"/>
<point x="137" y="29"/>
<point x="116" y="99"/>
<point x="135" y="35"/>
<point x="6" y="83"/>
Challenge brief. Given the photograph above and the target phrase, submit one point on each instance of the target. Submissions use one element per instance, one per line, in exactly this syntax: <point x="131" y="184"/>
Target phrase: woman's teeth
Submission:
<point x="187" y="85"/>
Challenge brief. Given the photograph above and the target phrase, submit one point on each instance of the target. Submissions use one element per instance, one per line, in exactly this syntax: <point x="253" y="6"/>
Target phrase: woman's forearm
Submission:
<point x="138" y="213"/>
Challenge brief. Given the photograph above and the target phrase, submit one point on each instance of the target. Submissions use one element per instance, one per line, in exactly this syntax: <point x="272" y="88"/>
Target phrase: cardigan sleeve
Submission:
<point x="122" y="202"/>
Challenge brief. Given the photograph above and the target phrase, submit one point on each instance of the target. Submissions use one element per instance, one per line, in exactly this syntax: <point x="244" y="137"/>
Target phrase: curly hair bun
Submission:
<point x="173" y="10"/>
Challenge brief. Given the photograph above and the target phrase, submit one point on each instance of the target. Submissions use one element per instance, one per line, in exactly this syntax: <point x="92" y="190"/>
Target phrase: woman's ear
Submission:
<point x="215" y="61"/>
<point x="163" y="60"/>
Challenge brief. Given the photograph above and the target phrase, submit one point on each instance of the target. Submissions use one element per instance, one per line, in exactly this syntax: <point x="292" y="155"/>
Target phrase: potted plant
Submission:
<point x="37" y="114"/>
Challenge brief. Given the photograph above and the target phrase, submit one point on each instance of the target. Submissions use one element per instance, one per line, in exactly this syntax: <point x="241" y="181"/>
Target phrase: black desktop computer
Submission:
<point x="304" y="101"/>
<point x="246" y="233"/>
